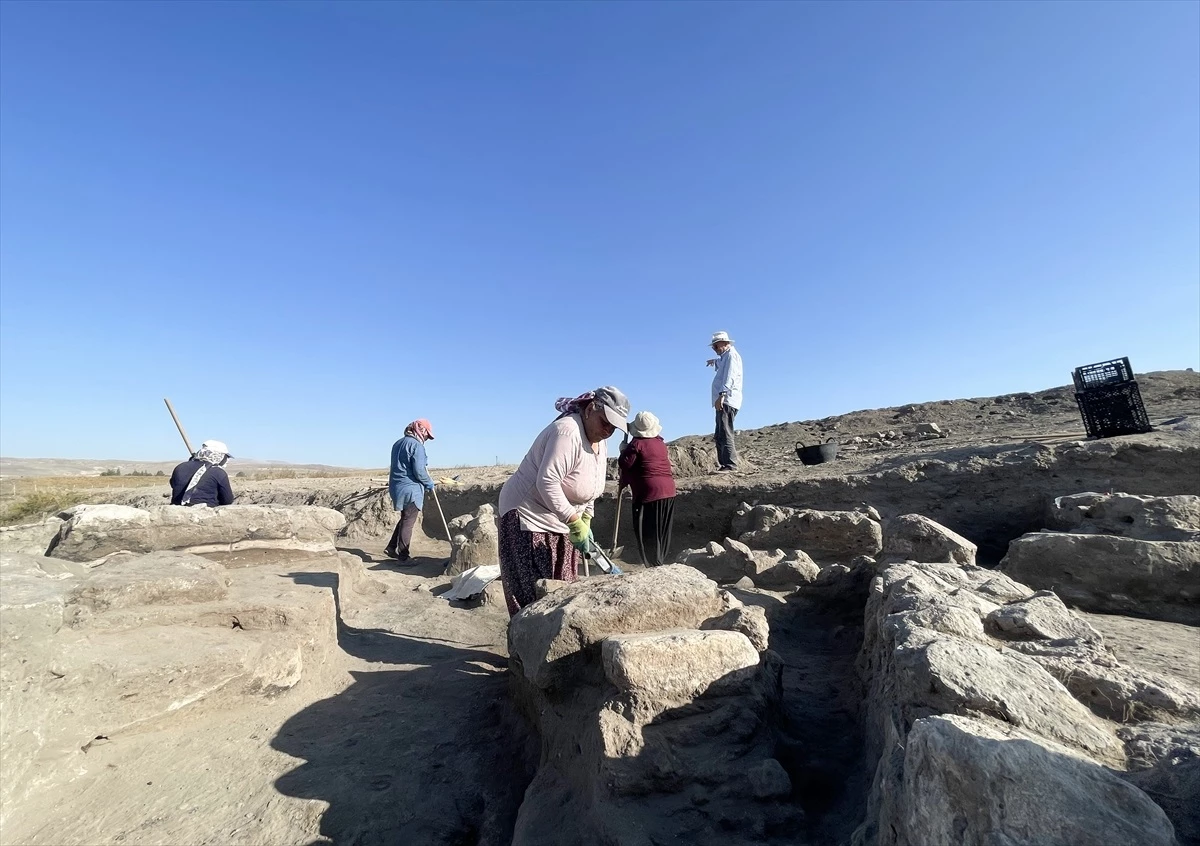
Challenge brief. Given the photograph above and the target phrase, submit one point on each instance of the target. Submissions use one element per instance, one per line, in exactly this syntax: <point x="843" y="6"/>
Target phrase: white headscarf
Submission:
<point x="211" y="458"/>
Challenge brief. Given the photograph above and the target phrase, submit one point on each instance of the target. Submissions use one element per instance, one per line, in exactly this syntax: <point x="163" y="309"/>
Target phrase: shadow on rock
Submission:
<point x="428" y="754"/>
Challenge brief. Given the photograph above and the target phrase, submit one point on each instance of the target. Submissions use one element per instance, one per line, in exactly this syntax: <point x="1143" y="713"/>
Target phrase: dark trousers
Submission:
<point x="652" y="525"/>
<point x="402" y="537"/>
<point x="727" y="455"/>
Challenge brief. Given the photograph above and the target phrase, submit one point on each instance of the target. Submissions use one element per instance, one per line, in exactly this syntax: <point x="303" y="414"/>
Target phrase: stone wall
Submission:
<point x="655" y="702"/>
<point x="992" y="715"/>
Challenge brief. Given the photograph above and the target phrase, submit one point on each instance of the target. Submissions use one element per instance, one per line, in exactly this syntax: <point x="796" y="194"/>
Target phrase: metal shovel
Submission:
<point x="606" y="565"/>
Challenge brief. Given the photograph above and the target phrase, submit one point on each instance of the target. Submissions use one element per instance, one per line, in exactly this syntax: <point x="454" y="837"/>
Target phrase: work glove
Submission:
<point x="580" y="533"/>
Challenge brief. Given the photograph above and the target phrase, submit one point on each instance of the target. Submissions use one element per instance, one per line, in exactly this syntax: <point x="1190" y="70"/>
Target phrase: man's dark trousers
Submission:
<point x="727" y="455"/>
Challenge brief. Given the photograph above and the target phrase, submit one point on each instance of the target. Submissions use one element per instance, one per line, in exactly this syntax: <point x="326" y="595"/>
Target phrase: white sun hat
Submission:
<point x="645" y="425"/>
<point x="720" y="337"/>
<point x="216" y="446"/>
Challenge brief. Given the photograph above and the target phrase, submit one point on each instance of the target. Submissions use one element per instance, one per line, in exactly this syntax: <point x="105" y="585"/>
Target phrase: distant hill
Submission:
<point x="15" y="467"/>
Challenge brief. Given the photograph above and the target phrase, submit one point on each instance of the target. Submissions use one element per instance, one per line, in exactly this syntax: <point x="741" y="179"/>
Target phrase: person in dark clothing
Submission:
<point x="202" y="480"/>
<point x="646" y="469"/>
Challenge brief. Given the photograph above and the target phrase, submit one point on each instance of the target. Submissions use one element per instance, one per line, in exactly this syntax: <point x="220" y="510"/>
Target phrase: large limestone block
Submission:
<point x="916" y="537"/>
<point x="554" y="635"/>
<point x="1160" y="518"/>
<point x="794" y="570"/>
<point x="750" y="620"/>
<point x="476" y="542"/>
<point x="974" y="783"/>
<point x="40" y="566"/>
<point x="750" y="562"/>
<point x="30" y="538"/>
<point x="114" y="680"/>
<point x="679" y="664"/>
<point x="948" y="615"/>
<point x="1150" y="744"/>
<point x="129" y="666"/>
<point x="158" y="578"/>
<point x="32" y="604"/>
<point x="724" y="562"/>
<point x="1113" y="691"/>
<point x="1040" y="617"/>
<point x="956" y="676"/>
<point x="752" y="518"/>
<point x="829" y="534"/>
<point x="95" y="531"/>
<point x="1155" y="579"/>
<point x="1164" y="761"/>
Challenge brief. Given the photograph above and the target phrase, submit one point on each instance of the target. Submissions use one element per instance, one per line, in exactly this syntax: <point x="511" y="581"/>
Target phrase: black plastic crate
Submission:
<point x="1111" y="410"/>
<point x="1103" y="373"/>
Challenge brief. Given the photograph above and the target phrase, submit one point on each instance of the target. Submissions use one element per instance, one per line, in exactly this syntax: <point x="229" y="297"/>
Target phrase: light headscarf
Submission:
<point x="211" y="458"/>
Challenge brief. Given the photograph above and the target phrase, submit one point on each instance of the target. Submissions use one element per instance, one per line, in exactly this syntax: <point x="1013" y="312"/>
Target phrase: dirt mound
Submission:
<point x="885" y="433"/>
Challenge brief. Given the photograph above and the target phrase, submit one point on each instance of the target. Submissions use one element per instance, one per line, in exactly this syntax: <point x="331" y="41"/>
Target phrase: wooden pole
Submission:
<point x="617" y="522"/>
<point x="179" y="426"/>
<point x="442" y="514"/>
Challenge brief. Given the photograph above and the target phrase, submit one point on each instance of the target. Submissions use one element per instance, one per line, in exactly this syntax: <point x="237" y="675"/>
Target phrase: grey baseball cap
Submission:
<point x="615" y="405"/>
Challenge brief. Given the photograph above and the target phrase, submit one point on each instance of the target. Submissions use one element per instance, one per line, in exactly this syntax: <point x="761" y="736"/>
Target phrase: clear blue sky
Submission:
<point x="309" y="223"/>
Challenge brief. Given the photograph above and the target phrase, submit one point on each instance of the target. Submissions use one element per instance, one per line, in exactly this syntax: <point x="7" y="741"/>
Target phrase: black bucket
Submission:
<point x="817" y="454"/>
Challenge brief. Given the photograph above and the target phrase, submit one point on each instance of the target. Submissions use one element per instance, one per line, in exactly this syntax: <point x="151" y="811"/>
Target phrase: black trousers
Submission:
<point x="652" y="524"/>
<point x="727" y="455"/>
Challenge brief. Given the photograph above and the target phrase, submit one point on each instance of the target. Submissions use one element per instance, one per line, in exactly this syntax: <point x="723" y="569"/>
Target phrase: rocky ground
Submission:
<point x="399" y="732"/>
<point x="403" y="725"/>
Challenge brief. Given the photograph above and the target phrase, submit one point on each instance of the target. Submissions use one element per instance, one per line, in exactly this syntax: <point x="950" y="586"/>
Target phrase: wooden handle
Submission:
<point x="179" y="426"/>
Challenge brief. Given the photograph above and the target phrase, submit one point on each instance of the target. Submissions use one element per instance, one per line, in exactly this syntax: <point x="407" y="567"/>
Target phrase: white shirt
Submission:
<point x="559" y="477"/>
<point x="728" y="378"/>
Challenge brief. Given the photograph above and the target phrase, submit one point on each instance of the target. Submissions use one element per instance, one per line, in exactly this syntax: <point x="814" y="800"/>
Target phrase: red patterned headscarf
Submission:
<point x="420" y="429"/>
<point x="572" y="405"/>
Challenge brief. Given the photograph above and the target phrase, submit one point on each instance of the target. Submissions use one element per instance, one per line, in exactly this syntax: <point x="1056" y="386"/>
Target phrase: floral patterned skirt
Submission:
<point x="526" y="557"/>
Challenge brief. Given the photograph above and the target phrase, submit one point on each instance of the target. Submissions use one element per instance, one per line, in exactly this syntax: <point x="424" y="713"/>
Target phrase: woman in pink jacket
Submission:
<point x="546" y="507"/>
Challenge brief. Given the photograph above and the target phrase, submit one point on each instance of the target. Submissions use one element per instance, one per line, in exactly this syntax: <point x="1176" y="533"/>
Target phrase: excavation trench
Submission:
<point x="821" y="742"/>
<point x="431" y="748"/>
<point x="391" y="771"/>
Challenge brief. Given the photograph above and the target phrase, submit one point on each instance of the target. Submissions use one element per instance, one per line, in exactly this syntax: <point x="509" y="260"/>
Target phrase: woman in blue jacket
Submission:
<point x="408" y="480"/>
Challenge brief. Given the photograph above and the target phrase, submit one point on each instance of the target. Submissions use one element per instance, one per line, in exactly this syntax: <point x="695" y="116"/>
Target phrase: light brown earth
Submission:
<point x="406" y="735"/>
<point x="403" y="736"/>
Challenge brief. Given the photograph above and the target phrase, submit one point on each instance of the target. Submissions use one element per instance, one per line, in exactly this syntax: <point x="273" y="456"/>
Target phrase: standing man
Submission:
<point x="726" y="396"/>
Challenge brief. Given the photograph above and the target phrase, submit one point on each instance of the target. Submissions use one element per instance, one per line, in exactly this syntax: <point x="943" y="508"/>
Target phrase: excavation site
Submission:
<point x="968" y="624"/>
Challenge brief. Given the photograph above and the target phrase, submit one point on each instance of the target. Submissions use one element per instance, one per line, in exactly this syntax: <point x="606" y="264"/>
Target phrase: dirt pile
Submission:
<point x="916" y="428"/>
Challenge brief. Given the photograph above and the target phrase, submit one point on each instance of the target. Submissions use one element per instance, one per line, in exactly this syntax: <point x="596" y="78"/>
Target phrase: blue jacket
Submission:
<point x="407" y="477"/>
